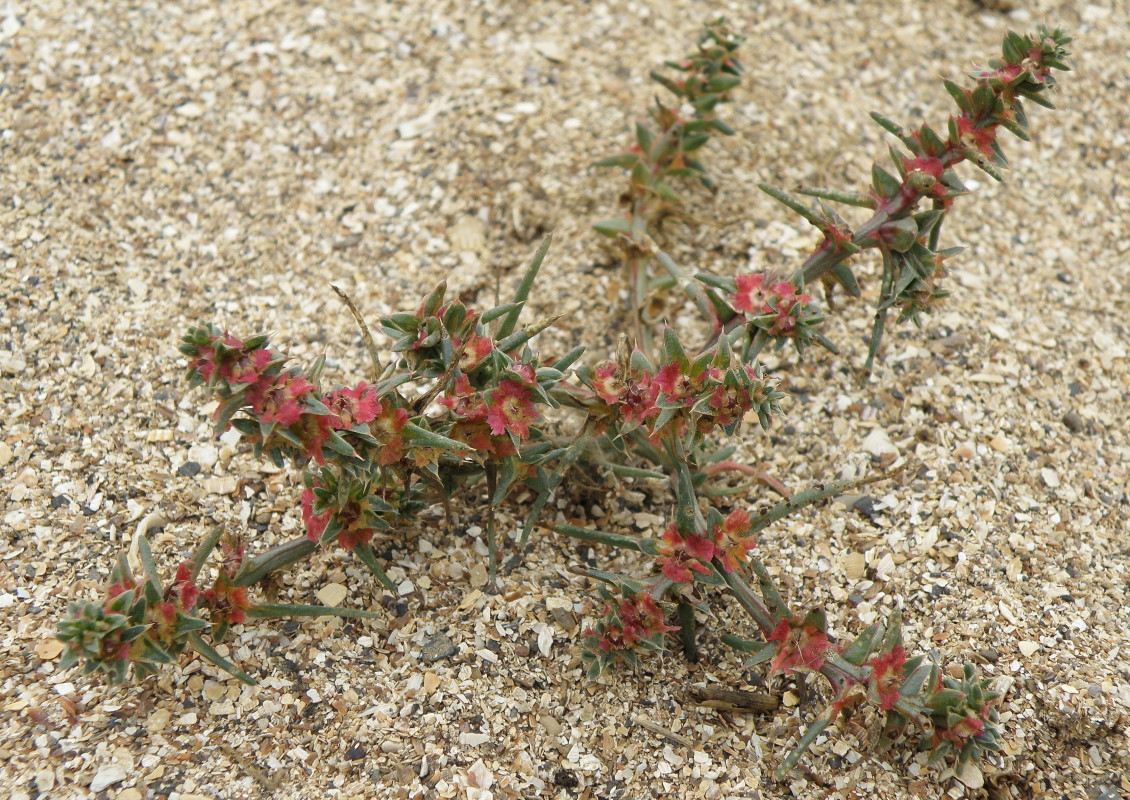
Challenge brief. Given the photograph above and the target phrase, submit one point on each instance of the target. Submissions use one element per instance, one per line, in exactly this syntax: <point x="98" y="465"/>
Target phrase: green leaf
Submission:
<point x="722" y="83"/>
<point x="569" y="358"/>
<point x="209" y="653"/>
<point x="894" y="128"/>
<point x="278" y="557"/>
<point x="859" y="199"/>
<point x="1010" y="51"/>
<point x="228" y="409"/>
<point x="646" y="546"/>
<point x="626" y="160"/>
<point x="667" y="83"/>
<point x="613" y="227"/>
<point x="401" y="321"/>
<point x="146" y="555"/>
<point x="151" y="652"/>
<point x="644" y="137"/>
<point x="793" y="203"/>
<point x="505" y="479"/>
<point x="722" y="127"/>
<point x="846" y="278"/>
<point x="858" y="651"/>
<point x="667" y="193"/>
<point x="498" y="311"/>
<point x="422" y="437"/>
<point x="959" y="96"/>
<point x="694" y="141"/>
<point x="205" y="550"/>
<point x="364" y="551"/>
<point x="885" y="184"/>
<point x="1015" y="129"/>
<point x="985" y="165"/>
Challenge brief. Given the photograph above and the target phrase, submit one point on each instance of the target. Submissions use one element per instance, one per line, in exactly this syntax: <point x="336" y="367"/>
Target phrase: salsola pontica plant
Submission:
<point x="373" y="455"/>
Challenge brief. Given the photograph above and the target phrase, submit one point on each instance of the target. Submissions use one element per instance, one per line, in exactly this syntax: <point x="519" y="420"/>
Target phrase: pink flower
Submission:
<point x="464" y="400"/>
<point x="510" y="410"/>
<point x="386" y="429"/>
<point x="775" y="308"/>
<point x="634" y="619"/>
<point x="354" y="529"/>
<point x="315" y="523"/>
<point x="980" y="139"/>
<point x="228" y="358"/>
<point x="733" y="547"/>
<point x="478" y="348"/>
<point x="228" y="603"/>
<point x="750" y="295"/>
<point x="607" y="383"/>
<point x="681" y="555"/>
<point x="184" y="588"/>
<point x="278" y="399"/>
<point x="886" y="676"/>
<point x="478" y="436"/>
<point x="928" y="164"/>
<point x="352" y="407"/>
<point x="313" y="430"/>
<point x="638" y="402"/>
<point x="969" y="727"/>
<point x="798" y="645"/>
<point x="248" y="368"/>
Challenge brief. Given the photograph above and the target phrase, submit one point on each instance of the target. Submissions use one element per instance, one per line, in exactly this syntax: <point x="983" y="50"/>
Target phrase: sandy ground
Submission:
<point x="168" y="163"/>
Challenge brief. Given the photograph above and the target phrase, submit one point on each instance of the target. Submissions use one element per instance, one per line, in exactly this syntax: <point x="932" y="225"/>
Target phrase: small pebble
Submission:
<point x="332" y="594"/>
<point x="1073" y="421"/>
<point x="107" y="775"/>
<point x="436" y="647"/>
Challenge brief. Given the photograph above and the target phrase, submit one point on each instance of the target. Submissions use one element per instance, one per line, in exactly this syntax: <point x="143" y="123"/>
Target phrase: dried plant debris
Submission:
<point x="169" y="164"/>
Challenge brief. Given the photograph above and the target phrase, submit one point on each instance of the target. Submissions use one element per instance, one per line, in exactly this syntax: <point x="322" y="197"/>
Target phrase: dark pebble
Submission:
<point x="565" y="779"/>
<point x="989" y="654"/>
<point x="355" y="752"/>
<point x="865" y="505"/>
<point x="189" y="469"/>
<point x="1073" y="421"/>
<point x="59" y="500"/>
<point x="437" y="646"/>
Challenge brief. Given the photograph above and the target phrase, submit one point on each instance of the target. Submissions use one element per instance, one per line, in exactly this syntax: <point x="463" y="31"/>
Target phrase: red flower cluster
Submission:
<point x="966" y="728"/>
<point x="227" y="602"/>
<point x="799" y="644"/>
<point x="683" y="554"/>
<point x="350" y="515"/>
<point x="886" y="676"/>
<point x="232" y="360"/>
<point x="508" y="408"/>
<point x="315" y="523"/>
<point x="289" y="400"/>
<point x="184" y="591"/>
<point x="774" y="308"/>
<point x="976" y="138"/>
<point x="706" y="395"/>
<point x="278" y="398"/>
<point x="634" y="619"/>
<point x="632" y="395"/>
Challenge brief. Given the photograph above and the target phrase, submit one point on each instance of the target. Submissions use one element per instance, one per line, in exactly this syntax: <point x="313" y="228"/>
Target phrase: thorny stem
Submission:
<point x="366" y="337"/>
